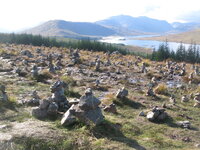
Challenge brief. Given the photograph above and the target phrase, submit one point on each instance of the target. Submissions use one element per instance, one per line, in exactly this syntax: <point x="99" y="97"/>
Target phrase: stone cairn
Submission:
<point x="108" y="62"/>
<point x="122" y="93"/>
<point x="3" y="93"/>
<point x="157" y="114"/>
<point x="35" y="100"/>
<point x="50" y="65"/>
<point x="150" y="92"/>
<point x="51" y="106"/>
<point x="97" y="65"/>
<point x="196" y="70"/>
<point x="197" y="100"/>
<point x="34" y="71"/>
<point x="87" y="110"/>
<point x="143" y="70"/>
<point x="75" y="57"/>
<point x="172" y="100"/>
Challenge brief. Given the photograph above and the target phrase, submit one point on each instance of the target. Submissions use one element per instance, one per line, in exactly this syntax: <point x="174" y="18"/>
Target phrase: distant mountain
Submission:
<point x="61" y="28"/>
<point x="136" y="24"/>
<point x="185" y="26"/>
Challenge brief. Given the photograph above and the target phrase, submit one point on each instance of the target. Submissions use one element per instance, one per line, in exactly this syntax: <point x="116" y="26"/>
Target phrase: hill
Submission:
<point x="61" y="28"/>
<point x="181" y="27"/>
<point x="185" y="37"/>
<point x="121" y="130"/>
<point x="136" y="24"/>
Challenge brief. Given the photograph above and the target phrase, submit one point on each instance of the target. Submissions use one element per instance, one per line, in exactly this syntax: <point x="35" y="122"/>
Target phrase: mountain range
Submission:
<point x="121" y="25"/>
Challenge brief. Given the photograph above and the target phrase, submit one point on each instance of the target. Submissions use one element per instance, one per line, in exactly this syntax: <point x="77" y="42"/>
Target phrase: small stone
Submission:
<point x="142" y="114"/>
<point x="111" y="108"/>
<point x="184" y="99"/>
<point x="184" y="124"/>
<point x="197" y="145"/>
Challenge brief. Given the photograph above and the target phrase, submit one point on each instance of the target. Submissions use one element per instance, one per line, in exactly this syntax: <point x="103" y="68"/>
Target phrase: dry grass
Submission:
<point x="161" y="89"/>
<point x="185" y="37"/>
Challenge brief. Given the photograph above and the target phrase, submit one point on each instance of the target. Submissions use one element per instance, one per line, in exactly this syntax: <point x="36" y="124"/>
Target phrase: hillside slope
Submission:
<point x="121" y="130"/>
<point x="70" y="29"/>
<point x="185" y="37"/>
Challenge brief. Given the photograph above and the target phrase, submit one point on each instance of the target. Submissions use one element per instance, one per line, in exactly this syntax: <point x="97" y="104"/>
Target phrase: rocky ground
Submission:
<point x="105" y="74"/>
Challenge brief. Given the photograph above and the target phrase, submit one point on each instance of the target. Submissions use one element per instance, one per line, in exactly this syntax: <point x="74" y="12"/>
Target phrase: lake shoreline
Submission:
<point x="145" y="41"/>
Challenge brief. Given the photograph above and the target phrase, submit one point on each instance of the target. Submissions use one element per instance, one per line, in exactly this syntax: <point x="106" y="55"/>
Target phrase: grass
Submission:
<point x="35" y="144"/>
<point x="186" y="37"/>
<point x="161" y="89"/>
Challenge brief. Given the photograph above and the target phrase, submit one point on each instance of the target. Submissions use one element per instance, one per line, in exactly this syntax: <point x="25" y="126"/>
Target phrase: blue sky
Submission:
<point x="17" y="15"/>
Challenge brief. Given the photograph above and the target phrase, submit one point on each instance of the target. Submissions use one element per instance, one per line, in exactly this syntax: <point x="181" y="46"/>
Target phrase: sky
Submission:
<point x="16" y="15"/>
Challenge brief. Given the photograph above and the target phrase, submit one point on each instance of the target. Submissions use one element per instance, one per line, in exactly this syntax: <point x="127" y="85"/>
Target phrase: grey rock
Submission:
<point x="121" y="93"/>
<point x="52" y="109"/>
<point x="184" y="124"/>
<point x="142" y="114"/>
<point x="39" y="113"/>
<point x="3" y="93"/>
<point x="68" y="118"/>
<point x="111" y="108"/>
<point x="87" y="110"/>
<point x="44" y="104"/>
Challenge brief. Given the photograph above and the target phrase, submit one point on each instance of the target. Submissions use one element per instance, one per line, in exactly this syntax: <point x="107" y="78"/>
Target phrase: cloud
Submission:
<point x="193" y="16"/>
<point x="19" y="14"/>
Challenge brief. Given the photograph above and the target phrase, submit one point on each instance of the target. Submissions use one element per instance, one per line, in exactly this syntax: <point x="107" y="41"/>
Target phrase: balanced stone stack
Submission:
<point x="51" y="106"/>
<point x="58" y="95"/>
<point x="3" y="94"/>
<point x="150" y="92"/>
<point x="157" y="114"/>
<point x="87" y="110"/>
<point x="75" y="57"/>
<point x="143" y="69"/>
<point x="34" y="71"/>
<point x="35" y="101"/>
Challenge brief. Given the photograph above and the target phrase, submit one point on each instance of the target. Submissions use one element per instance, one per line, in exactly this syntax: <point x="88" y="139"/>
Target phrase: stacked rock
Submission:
<point x="35" y="101"/>
<point x="87" y="110"/>
<point x="3" y="94"/>
<point x="157" y="114"/>
<point x="57" y="102"/>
